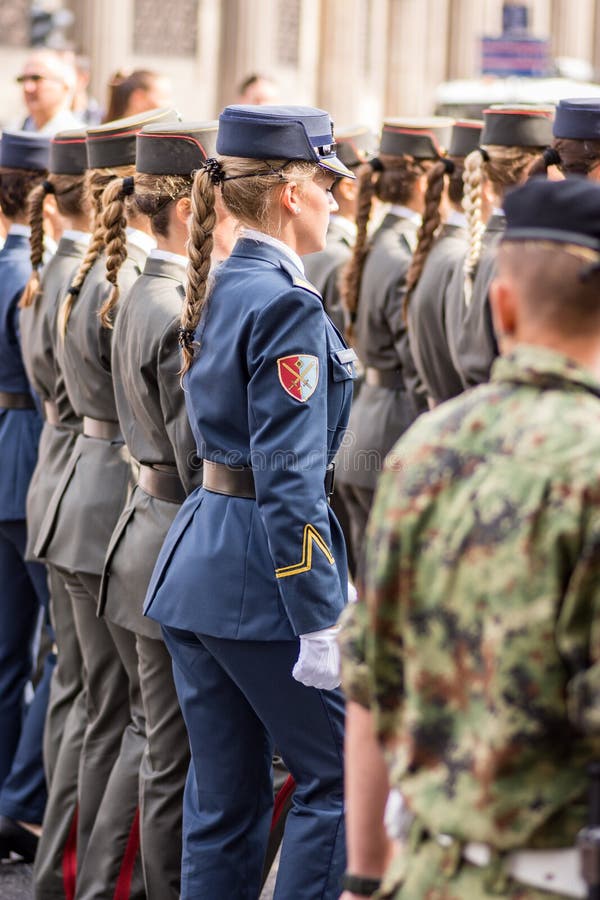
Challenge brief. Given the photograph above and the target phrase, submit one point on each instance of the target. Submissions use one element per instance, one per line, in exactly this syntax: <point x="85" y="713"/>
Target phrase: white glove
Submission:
<point x="318" y="662"/>
<point x="397" y="817"/>
<point x="352" y="593"/>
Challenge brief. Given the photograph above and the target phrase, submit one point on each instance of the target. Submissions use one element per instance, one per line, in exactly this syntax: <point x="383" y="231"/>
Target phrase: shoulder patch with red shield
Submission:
<point x="298" y="375"/>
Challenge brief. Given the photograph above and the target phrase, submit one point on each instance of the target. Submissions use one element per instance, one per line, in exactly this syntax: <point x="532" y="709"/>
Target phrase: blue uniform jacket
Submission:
<point x="270" y="387"/>
<point x="19" y="429"/>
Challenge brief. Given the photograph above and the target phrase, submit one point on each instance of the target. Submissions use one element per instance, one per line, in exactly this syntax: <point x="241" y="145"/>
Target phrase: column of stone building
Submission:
<point x="574" y="28"/>
<point x="247" y="40"/>
<point x="104" y="33"/>
<point x="466" y="28"/>
<point x="340" y="85"/>
<point x="417" y="55"/>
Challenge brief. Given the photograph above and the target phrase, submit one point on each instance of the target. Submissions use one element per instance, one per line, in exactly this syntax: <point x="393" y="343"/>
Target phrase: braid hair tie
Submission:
<point x="186" y="337"/>
<point x="74" y="291"/>
<point x="215" y="170"/>
<point x="128" y="187"/>
<point x="48" y="187"/>
<point x="551" y="157"/>
<point x="484" y="154"/>
<point x="449" y="167"/>
<point x="376" y="164"/>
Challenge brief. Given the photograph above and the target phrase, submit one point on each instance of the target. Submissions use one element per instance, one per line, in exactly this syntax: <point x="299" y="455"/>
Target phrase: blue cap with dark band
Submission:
<point x="280" y="132"/>
<point x="24" y="150"/>
<point x="578" y="119"/>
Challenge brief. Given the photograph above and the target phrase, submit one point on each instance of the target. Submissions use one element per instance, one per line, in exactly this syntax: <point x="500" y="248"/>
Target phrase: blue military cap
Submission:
<point x="578" y="119"/>
<point x="280" y="132"/>
<point x="24" y="150"/>
<point x="566" y="212"/>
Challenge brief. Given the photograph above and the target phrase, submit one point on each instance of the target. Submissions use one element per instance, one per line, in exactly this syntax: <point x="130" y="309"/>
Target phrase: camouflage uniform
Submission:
<point x="483" y="645"/>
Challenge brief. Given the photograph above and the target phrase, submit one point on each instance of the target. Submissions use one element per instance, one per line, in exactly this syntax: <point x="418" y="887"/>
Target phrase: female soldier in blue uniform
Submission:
<point x="252" y="576"/>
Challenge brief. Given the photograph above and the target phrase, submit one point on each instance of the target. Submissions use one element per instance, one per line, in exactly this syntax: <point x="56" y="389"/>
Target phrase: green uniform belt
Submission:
<point x="239" y="482"/>
<point x="51" y="413"/>
<point x="163" y="483"/>
<point x="16" y="401"/>
<point x="386" y="378"/>
<point x="104" y="431"/>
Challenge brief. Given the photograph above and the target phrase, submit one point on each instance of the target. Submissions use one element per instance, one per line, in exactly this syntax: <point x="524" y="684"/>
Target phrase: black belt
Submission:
<point x="164" y="483"/>
<point x="222" y="479"/>
<point x="387" y="378"/>
<point x="16" y="401"/>
<point x="51" y="413"/>
<point x="105" y="431"/>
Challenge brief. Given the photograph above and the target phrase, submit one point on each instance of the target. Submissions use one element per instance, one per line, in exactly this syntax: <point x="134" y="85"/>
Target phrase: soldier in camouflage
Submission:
<point x="482" y="585"/>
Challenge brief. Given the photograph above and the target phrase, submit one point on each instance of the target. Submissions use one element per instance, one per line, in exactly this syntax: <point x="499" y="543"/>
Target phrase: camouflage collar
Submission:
<point x="543" y="368"/>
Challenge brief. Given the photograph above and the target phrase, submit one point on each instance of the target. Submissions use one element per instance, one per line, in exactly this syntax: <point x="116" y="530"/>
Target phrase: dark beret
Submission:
<point x="564" y="211"/>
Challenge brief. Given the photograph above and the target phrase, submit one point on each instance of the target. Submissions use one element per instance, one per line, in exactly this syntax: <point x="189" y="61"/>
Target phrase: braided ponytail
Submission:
<point x="200" y="247"/>
<point x="114" y="223"/>
<point x="96" y="182"/>
<point x="472" y="200"/>
<point x="36" y="242"/>
<point x="432" y="220"/>
<point x="351" y="276"/>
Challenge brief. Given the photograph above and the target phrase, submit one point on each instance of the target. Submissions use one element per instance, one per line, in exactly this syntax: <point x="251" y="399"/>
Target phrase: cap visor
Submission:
<point x="336" y="167"/>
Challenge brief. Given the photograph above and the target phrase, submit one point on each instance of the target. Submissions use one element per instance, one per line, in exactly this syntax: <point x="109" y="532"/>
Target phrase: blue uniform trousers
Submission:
<point x="238" y="699"/>
<point x="24" y="592"/>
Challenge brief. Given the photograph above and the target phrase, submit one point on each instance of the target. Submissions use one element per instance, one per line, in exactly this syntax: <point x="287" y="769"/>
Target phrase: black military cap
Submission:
<point x="355" y="145"/>
<point x="578" y="119"/>
<point x="566" y="211"/>
<point x="420" y="138"/>
<point x="517" y="126"/>
<point x="68" y="154"/>
<point x="466" y="135"/>
<point x="176" y="149"/>
<point x="113" y="144"/>
<point x="24" y="150"/>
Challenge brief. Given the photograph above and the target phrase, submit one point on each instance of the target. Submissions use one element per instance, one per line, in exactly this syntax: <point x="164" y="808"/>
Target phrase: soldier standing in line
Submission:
<point x="482" y="583"/>
<point x="252" y="575"/>
<point x="440" y="247"/>
<point x="45" y="291"/>
<point x="23" y="166"/>
<point x="512" y="140"/>
<point x="372" y="295"/>
<point x="76" y="530"/>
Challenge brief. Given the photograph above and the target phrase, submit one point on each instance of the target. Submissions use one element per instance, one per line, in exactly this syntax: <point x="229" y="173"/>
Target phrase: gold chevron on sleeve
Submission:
<point x="311" y="537"/>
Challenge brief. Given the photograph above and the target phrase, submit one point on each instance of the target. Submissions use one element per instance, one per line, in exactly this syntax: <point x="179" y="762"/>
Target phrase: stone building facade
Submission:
<point x="361" y="59"/>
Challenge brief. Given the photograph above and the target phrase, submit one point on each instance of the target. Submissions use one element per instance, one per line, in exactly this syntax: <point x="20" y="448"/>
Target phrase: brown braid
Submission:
<point x="96" y="182"/>
<point x="392" y="180"/>
<point x="351" y="275"/>
<point x="36" y="244"/>
<point x="68" y="190"/>
<point x="114" y="223"/>
<point x="432" y="220"/>
<point x="200" y="247"/>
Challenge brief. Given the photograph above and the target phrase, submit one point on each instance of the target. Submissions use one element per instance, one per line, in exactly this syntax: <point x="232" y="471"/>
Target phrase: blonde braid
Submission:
<point x="114" y="223"/>
<point x="432" y="219"/>
<point x="473" y="177"/>
<point x="199" y="249"/>
<point x="351" y="276"/>
<point x="36" y="243"/>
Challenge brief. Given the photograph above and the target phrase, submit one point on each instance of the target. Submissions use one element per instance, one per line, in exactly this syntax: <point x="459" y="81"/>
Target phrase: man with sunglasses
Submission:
<point x="48" y="82"/>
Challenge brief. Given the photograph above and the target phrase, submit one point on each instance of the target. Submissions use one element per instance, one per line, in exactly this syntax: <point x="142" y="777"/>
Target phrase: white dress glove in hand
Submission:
<point x="397" y="818"/>
<point x="318" y="662"/>
<point x="352" y="593"/>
